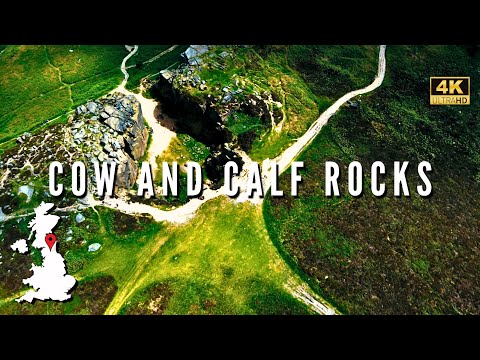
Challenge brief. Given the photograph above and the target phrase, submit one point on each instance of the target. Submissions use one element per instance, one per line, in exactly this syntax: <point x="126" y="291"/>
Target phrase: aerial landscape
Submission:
<point x="288" y="240"/>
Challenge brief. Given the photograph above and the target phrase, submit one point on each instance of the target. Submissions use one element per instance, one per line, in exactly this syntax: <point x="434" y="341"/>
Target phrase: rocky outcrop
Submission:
<point x="87" y="138"/>
<point x="112" y="129"/>
<point x="137" y="136"/>
<point x="202" y="106"/>
<point x="209" y="110"/>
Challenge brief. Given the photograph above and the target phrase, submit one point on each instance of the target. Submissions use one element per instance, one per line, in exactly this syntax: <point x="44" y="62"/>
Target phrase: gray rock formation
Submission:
<point x="137" y="138"/>
<point x="81" y="110"/>
<point x="112" y="128"/>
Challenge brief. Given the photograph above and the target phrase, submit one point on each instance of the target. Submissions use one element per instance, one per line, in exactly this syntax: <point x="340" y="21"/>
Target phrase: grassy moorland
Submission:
<point x="391" y="255"/>
<point x="346" y="68"/>
<point x="41" y="83"/>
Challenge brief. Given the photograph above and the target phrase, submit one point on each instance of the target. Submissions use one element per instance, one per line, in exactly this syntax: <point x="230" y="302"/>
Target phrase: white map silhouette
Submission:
<point x="20" y="246"/>
<point x="50" y="281"/>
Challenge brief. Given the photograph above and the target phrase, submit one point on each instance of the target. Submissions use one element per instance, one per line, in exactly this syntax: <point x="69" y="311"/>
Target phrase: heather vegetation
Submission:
<point x="392" y="255"/>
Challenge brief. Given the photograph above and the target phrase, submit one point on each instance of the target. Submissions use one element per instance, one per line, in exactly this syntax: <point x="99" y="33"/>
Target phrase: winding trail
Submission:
<point x="160" y="142"/>
<point x="288" y="156"/>
<point x="124" y="62"/>
<point x="293" y="151"/>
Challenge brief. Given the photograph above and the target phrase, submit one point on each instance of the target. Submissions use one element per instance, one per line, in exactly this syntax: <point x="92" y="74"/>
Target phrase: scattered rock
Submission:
<point x="227" y="98"/>
<point x="81" y="110"/>
<point x="27" y="190"/>
<point x="94" y="247"/>
<point x="80" y="134"/>
<point x="78" y="125"/>
<point x="79" y="218"/>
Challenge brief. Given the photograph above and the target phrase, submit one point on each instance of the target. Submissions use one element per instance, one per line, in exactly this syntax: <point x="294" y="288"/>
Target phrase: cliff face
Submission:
<point x="198" y="119"/>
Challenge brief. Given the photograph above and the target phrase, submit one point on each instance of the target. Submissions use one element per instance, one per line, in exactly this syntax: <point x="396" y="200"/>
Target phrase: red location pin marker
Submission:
<point x="50" y="239"/>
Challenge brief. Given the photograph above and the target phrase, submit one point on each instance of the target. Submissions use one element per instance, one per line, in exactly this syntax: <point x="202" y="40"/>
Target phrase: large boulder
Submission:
<point x="109" y="109"/>
<point x="118" y="133"/>
<point x="81" y="109"/>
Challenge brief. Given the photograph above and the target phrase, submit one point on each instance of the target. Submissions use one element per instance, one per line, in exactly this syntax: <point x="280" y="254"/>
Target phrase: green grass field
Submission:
<point x="222" y="262"/>
<point x="40" y="83"/>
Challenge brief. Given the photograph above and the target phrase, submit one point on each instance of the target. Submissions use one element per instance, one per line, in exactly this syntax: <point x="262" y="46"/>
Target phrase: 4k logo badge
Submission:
<point x="450" y="90"/>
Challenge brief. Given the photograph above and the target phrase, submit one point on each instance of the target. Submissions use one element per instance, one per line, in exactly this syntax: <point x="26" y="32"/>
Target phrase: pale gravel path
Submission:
<point x="124" y="61"/>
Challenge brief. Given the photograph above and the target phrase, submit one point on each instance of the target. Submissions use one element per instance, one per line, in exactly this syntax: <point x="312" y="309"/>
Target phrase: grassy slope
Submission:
<point x="41" y="83"/>
<point x="215" y="264"/>
<point x="221" y="262"/>
<point x="349" y="68"/>
<point x="389" y="255"/>
<point x="36" y="82"/>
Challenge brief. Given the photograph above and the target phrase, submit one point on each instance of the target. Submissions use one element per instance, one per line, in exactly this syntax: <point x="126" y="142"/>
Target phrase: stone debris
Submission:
<point x="79" y="218"/>
<point x="94" y="247"/>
